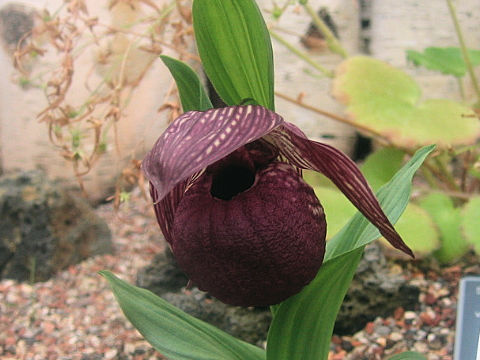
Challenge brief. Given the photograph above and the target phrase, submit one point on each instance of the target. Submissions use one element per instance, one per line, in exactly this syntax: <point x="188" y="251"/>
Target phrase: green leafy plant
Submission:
<point x="236" y="53"/>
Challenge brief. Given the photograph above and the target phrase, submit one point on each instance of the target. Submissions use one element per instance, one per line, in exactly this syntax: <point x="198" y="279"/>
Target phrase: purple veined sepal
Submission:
<point x="198" y="139"/>
<point x="341" y="170"/>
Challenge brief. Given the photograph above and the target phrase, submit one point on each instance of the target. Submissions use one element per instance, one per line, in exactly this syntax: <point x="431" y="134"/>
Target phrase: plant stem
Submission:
<point x="304" y="56"/>
<point x="332" y="42"/>
<point x="463" y="47"/>
<point x="341" y="119"/>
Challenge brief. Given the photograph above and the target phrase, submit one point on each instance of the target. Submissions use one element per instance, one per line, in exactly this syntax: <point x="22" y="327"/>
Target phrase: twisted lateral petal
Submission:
<point x="197" y="139"/>
<point x="342" y="171"/>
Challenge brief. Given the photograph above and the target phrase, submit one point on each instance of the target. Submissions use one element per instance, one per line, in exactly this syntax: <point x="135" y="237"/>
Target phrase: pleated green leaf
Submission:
<point x="235" y="49"/>
<point x="393" y="198"/>
<point x="190" y="88"/>
<point x="302" y="325"/>
<point x="174" y="333"/>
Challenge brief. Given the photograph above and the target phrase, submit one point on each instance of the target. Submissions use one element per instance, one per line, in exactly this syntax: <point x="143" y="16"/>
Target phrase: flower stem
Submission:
<point x="332" y="42"/>
<point x="463" y="47"/>
<point x="302" y="55"/>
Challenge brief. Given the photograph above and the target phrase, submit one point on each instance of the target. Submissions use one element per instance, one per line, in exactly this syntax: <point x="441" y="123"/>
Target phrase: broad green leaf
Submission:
<point x="447" y="219"/>
<point x="235" y="48"/>
<point x="418" y="230"/>
<point x="380" y="166"/>
<point x="471" y="221"/>
<point x="338" y="209"/>
<point x="393" y="198"/>
<point x="302" y="325"/>
<point x="190" y="88"/>
<point x="387" y="101"/>
<point x="408" y="355"/>
<point x="174" y="333"/>
<point x="448" y="60"/>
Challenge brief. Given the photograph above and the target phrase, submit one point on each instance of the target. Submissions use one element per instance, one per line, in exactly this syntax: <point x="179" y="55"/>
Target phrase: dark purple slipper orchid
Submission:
<point x="230" y="200"/>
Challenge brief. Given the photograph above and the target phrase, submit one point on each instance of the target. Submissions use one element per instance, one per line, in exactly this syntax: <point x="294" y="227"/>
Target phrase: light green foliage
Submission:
<point x="190" y="88"/>
<point x="234" y="45"/>
<point x="386" y="100"/>
<point x="448" y="60"/>
<point x="380" y="166"/>
<point x="447" y="218"/>
<point x="418" y="230"/>
<point x="471" y="222"/>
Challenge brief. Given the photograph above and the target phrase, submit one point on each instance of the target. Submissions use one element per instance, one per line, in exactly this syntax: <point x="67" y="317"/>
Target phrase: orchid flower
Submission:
<point x="231" y="202"/>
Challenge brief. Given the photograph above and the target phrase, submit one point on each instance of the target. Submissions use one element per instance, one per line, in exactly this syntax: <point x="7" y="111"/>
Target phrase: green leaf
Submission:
<point x="448" y="60"/>
<point x="190" y="88"/>
<point x="386" y="100"/>
<point x="302" y="325"/>
<point x="174" y="333"/>
<point x="418" y="230"/>
<point x="235" y="49"/>
<point x="393" y="198"/>
<point x="408" y="355"/>
<point x="447" y="219"/>
<point x="380" y="166"/>
<point x="470" y="222"/>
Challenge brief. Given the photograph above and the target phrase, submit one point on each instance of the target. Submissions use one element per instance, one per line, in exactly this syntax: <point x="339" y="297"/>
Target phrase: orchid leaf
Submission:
<point x="393" y="198"/>
<point x="302" y="325"/>
<point x="448" y="60"/>
<point x="174" y="333"/>
<point x="470" y="221"/>
<point x="447" y="219"/>
<point x="418" y="230"/>
<point x="387" y="101"/>
<point x="190" y="88"/>
<point x="235" y="48"/>
<point x="408" y="355"/>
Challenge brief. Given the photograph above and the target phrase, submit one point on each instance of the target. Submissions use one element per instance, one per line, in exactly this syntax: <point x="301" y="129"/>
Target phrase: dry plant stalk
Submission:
<point x="124" y="50"/>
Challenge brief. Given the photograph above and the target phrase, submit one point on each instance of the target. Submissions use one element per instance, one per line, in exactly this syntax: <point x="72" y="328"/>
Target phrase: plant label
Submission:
<point x="467" y="337"/>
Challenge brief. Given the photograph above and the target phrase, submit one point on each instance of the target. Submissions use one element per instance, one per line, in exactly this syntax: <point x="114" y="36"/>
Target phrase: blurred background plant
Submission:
<point x="124" y="49"/>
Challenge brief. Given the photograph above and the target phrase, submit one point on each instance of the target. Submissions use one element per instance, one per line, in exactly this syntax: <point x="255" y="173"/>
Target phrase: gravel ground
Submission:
<point x="75" y="316"/>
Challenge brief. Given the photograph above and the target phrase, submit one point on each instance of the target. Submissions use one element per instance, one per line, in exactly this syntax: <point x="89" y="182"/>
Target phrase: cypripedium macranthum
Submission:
<point x="231" y="202"/>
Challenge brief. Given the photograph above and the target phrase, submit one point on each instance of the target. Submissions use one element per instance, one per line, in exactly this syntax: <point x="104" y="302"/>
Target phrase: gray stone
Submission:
<point x="162" y="275"/>
<point x="44" y="229"/>
<point x="375" y="291"/>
